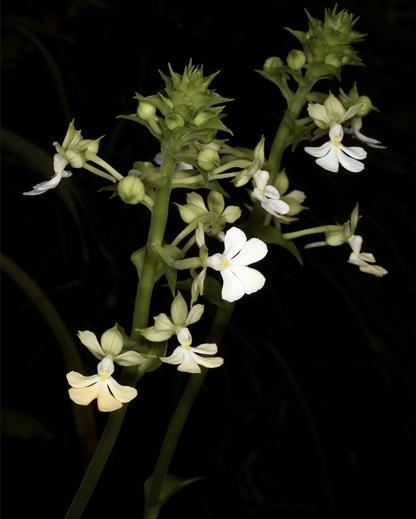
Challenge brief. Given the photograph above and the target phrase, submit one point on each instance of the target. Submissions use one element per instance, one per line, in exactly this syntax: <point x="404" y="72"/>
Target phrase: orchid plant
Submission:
<point x="184" y="118"/>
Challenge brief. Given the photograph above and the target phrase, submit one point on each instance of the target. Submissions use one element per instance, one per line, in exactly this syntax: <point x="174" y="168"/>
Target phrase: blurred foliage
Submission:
<point x="313" y="413"/>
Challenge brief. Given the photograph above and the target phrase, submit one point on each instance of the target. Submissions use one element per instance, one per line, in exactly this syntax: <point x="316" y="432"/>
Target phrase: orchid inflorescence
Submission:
<point x="185" y="118"/>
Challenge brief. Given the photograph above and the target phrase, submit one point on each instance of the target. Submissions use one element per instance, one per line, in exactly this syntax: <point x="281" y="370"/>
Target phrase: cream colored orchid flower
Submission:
<point x="268" y="196"/>
<point x="333" y="153"/>
<point x="362" y="259"/>
<point x="189" y="358"/>
<point x="110" y="394"/>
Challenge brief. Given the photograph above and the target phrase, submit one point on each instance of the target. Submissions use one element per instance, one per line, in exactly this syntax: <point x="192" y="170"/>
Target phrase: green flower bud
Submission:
<point x="202" y="118"/>
<point x="208" y="159"/>
<point x="296" y="59"/>
<point x="367" y="106"/>
<point x="131" y="190"/>
<point x="336" y="239"/>
<point x="174" y="121"/>
<point x="272" y="63"/>
<point x="333" y="59"/>
<point x="146" y="111"/>
<point x="75" y="158"/>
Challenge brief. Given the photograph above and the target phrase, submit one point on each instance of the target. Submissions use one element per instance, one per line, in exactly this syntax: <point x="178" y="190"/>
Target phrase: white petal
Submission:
<point x="261" y="178"/>
<point x="321" y="151"/>
<point x="189" y="364"/>
<point x="214" y="362"/>
<point x="272" y="192"/>
<point x="59" y="162"/>
<point x="77" y="380"/>
<point x="349" y="163"/>
<point x="233" y="288"/>
<point x="375" y="270"/>
<point x="251" y="279"/>
<point x="330" y="162"/>
<point x="85" y="395"/>
<point x="356" y="242"/>
<point x="105" y="401"/>
<point x="176" y="357"/>
<point x="254" y="250"/>
<point x="368" y="257"/>
<point x="234" y="241"/>
<point x="279" y="206"/>
<point x="89" y="340"/>
<point x="121" y="393"/>
<point x="183" y="335"/>
<point x="38" y="189"/>
<point x="206" y="349"/>
<point x="355" y="152"/>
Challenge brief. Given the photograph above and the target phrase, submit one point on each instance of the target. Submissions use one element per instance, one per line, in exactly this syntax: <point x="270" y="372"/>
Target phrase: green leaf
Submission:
<point x="270" y="234"/>
<point x="138" y="259"/>
<point x="170" y="486"/>
<point x="168" y="255"/>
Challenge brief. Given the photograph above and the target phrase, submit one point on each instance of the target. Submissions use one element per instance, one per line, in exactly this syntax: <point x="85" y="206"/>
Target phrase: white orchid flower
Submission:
<point x="268" y="196"/>
<point x="238" y="278"/>
<point x="356" y="125"/>
<point x="178" y="167"/>
<point x="188" y="358"/>
<point x="110" y="394"/>
<point x="362" y="259"/>
<point x="59" y="163"/>
<point x="333" y="153"/>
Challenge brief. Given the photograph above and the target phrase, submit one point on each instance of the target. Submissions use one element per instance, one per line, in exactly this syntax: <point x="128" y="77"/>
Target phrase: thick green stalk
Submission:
<point x="156" y="233"/>
<point x="284" y="131"/>
<point x="152" y="506"/>
<point x="141" y="310"/>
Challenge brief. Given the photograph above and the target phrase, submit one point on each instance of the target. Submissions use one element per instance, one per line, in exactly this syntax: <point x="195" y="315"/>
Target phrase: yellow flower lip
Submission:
<point x="336" y="141"/>
<point x="186" y="345"/>
<point x="225" y="263"/>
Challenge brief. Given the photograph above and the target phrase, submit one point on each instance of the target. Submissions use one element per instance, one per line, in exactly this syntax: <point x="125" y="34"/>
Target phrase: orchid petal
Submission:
<point x="234" y="241"/>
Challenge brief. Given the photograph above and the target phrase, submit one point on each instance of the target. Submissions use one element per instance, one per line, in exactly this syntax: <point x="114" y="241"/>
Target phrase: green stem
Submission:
<point x="313" y="230"/>
<point x="152" y="506"/>
<point x="156" y="233"/>
<point x="130" y="377"/>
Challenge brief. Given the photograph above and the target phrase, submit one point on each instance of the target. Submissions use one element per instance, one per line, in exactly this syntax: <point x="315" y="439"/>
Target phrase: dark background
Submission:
<point x="312" y="414"/>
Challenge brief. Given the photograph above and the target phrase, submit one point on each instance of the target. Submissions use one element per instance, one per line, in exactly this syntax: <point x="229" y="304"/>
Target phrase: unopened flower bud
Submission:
<point x="296" y="59"/>
<point x="367" y="106"/>
<point x="208" y="159"/>
<point x="174" y="121"/>
<point x="75" y="158"/>
<point x="272" y="63"/>
<point x="146" y="111"/>
<point x="333" y="59"/>
<point x="131" y="190"/>
<point x="202" y="118"/>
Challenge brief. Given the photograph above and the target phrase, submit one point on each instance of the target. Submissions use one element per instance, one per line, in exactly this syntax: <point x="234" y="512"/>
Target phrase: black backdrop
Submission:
<point x="313" y="412"/>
